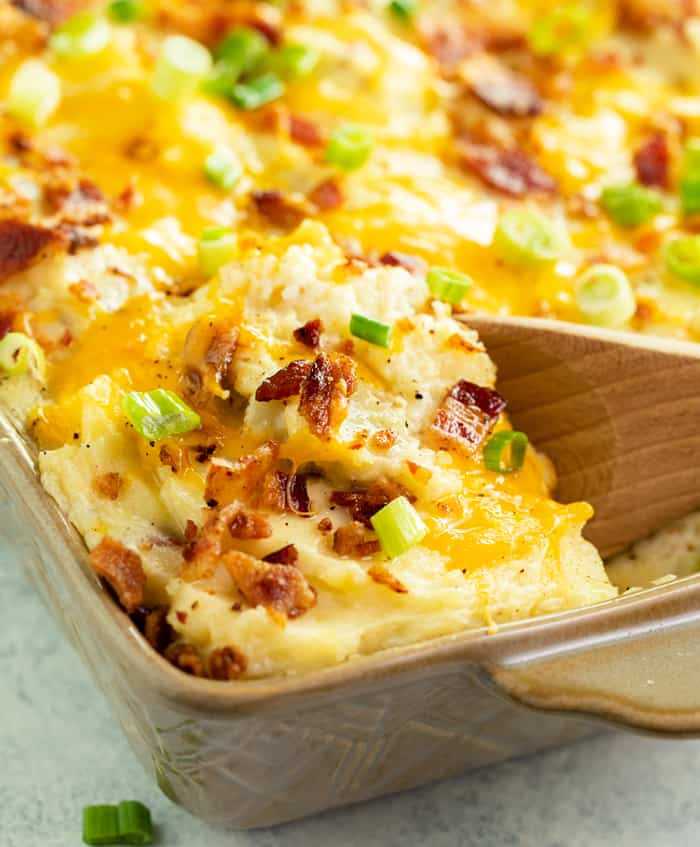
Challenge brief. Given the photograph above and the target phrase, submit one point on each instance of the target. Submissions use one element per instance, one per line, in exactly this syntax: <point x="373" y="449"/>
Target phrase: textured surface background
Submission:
<point x="61" y="750"/>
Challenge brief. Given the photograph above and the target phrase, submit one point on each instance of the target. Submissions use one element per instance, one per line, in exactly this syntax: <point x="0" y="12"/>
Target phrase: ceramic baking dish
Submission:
<point x="257" y="753"/>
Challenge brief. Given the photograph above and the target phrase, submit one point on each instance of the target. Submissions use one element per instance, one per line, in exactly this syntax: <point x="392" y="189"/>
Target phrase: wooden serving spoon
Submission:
<point x="618" y="414"/>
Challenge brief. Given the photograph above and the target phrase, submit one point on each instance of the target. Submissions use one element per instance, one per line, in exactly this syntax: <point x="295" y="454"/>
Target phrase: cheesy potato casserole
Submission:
<point x="236" y="242"/>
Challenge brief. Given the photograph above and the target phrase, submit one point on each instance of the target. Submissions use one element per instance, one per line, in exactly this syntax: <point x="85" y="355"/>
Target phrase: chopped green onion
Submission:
<point x="505" y="451"/>
<point x="159" y="413"/>
<point x="525" y="238"/>
<point x="126" y="11"/>
<point x="182" y="64"/>
<point x="101" y="825"/>
<point x="19" y="353"/>
<point x="35" y="93"/>
<point x="631" y="205"/>
<point x="691" y="157"/>
<point x="222" y="167"/>
<point x="243" y="48"/>
<point x="349" y="147"/>
<point x="682" y="257"/>
<point x="376" y="332"/>
<point x="448" y="285"/>
<point x="295" y="61"/>
<point x="564" y="30"/>
<point x="604" y="296"/>
<point x="398" y="526"/>
<point x="403" y="10"/>
<point x="135" y="825"/>
<point x="689" y="186"/>
<point x="257" y="92"/>
<point x="83" y="35"/>
<point x="221" y="80"/>
<point x="217" y="247"/>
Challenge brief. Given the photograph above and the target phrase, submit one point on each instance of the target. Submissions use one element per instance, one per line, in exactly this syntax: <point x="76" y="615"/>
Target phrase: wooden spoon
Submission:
<point x="618" y="414"/>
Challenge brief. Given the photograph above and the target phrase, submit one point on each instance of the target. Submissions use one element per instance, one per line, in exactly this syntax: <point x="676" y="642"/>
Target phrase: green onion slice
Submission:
<point x="604" y="296"/>
<point x="217" y="247"/>
<point x="349" y="147"/>
<point x="135" y="825"/>
<point x="101" y="825"/>
<point x="448" y="285"/>
<point x="689" y="186"/>
<point x="243" y="48"/>
<point x="682" y="257"/>
<point x="631" y="205"/>
<point x="398" y="526"/>
<point x="181" y="66"/>
<point x="126" y="11"/>
<point x="19" y="353"/>
<point x="505" y="451"/>
<point x="35" y="92"/>
<point x="566" y="29"/>
<point x="257" y="92"/>
<point x="222" y="167"/>
<point x="525" y="238"/>
<point x="403" y="10"/>
<point x="83" y="35"/>
<point x="295" y="61"/>
<point x="221" y="80"/>
<point x="376" y="332"/>
<point x="159" y="414"/>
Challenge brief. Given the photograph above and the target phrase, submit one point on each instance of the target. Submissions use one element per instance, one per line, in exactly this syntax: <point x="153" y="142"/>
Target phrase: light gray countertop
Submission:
<point x="61" y="750"/>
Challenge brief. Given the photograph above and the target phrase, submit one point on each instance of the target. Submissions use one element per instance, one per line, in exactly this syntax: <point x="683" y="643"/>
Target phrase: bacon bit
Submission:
<point x="305" y="132"/>
<point x="325" y="392"/>
<point x="352" y="540"/>
<point x="363" y="504"/>
<point x="141" y="149"/>
<point x="279" y="210"/>
<point x="109" y="485"/>
<point x="347" y="347"/>
<point x="652" y="161"/>
<point x="153" y="623"/>
<point x="52" y="12"/>
<point x="459" y="342"/>
<point x="204" y="452"/>
<point x="191" y="531"/>
<point x="284" y="383"/>
<point x="208" y="354"/>
<point x="123" y="570"/>
<point x="467" y="416"/>
<point x="298" y="499"/>
<point x="84" y="291"/>
<point x="77" y="237"/>
<point x="22" y="244"/>
<point x="325" y="525"/>
<point x="502" y="90"/>
<point x="274" y="491"/>
<point x="128" y="199"/>
<point x="81" y="203"/>
<point x="382" y="576"/>
<point x="167" y="456"/>
<point x="449" y="45"/>
<point x="20" y="142"/>
<point x="327" y="195"/>
<point x="288" y="555"/>
<point x="227" y="663"/>
<point x="510" y="171"/>
<point x="181" y="616"/>
<point x="245" y="524"/>
<point x="383" y="439"/>
<point x="185" y="657"/>
<point x="281" y="588"/>
<point x="310" y="334"/>
<point x="413" y="264"/>
<point x="240" y="480"/>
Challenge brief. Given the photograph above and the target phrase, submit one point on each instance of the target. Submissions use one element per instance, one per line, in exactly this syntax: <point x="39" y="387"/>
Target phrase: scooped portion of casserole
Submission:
<point x="236" y="240"/>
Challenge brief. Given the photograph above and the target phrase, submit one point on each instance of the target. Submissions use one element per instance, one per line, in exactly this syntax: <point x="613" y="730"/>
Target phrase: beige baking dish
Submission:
<point x="252" y="754"/>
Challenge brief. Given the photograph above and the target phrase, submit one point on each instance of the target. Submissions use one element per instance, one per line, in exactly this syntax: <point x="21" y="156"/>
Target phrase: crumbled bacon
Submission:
<point x="284" y="383"/>
<point x="288" y="555"/>
<point x="227" y="663"/>
<point x="467" y="415"/>
<point x="325" y="392"/>
<point x="185" y="657"/>
<point x="123" y="570"/>
<point x="310" y="334"/>
<point x="327" y="195"/>
<point x="247" y="524"/>
<point x="510" y="171"/>
<point x="304" y="131"/>
<point x="240" y="480"/>
<point x="208" y="354"/>
<point x="363" y="504"/>
<point x="22" y="244"/>
<point x="383" y="576"/>
<point x="325" y="525"/>
<point x="449" y="45"/>
<point x="153" y="623"/>
<point x="109" y="485"/>
<point x="281" y="588"/>
<point x="352" y="540"/>
<point x="298" y="494"/>
<point x="652" y="161"/>
<point x="52" y="12"/>
<point x="79" y="202"/>
<point x="77" y="237"/>
<point x="383" y="439"/>
<point x="274" y="491"/>
<point x="413" y="264"/>
<point x="502" y="90"/>
<point x="277" y="209"/>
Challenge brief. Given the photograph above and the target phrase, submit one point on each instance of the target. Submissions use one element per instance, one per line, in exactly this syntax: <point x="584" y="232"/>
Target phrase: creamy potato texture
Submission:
<point x="102" y="207"/>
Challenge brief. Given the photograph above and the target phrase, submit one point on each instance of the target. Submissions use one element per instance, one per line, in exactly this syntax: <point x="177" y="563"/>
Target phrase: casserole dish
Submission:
<point x="259" y="753"/>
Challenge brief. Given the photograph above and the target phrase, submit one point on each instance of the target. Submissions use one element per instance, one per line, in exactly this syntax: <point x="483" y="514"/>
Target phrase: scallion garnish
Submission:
<point x="604" y="296"/>
<point x="222" y="167"/>
<point x="294" y="61"/>
<point x="221" y="80"/>
<point x="257" y="92"/>
<point x="181" y="65"/>
<point x="159" y="414"/>
<point x="19" y="353"/>
<point x="525" y="238"/>
<point x="126" y="11"/>
<point x="135" y="825"/>
<point x="402" y="10"/>
<point x="243" y="48"/>
<point x="35" y="92"/>
<point x="682" y="258"/>
<point x="689" y="185"/>
<point x="566" y="29"/>
<point x="505" y="451"/>
<point x="217" y="246"/>
<point x="101" y="825"/>
<point x="127" y="823"/>
<point x="349" y="147"/>
<point x="448" y="285"/>
<point x="83" y="35"/>
<point x="631" y="205"/>
<point x="375" y="332"/>
<point x="398" y="526"/>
